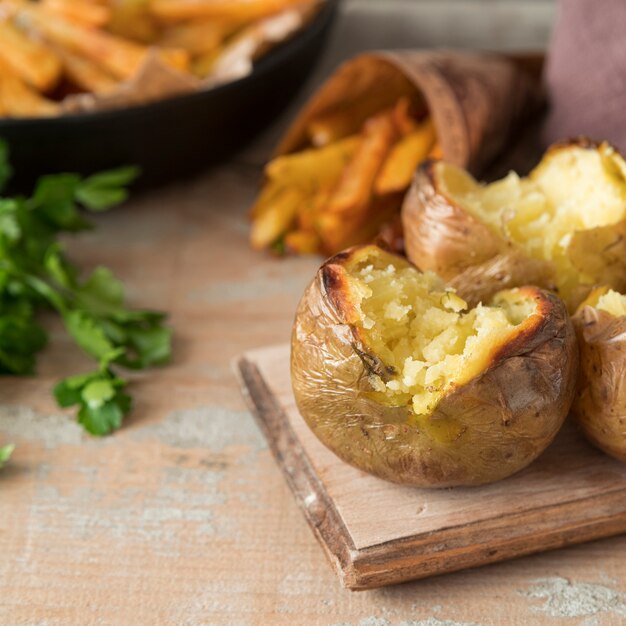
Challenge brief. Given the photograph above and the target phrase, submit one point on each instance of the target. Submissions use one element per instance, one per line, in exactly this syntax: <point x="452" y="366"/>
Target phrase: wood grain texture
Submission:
<point x="183" y="518"/>
<point x="378" y="533"/>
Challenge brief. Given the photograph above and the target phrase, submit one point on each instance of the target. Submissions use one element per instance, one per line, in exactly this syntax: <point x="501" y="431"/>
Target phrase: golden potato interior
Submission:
<point x="424" y="333"/>
<point x="574" y="189"/>
<point x="605" y="299"/>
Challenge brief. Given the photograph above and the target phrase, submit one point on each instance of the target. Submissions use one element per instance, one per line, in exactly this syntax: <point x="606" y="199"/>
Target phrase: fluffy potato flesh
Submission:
<point x="429" y="342"/>
<point x="573" y="190"/>
<point x="399" y="377"/>
<point x="612" y="302"/>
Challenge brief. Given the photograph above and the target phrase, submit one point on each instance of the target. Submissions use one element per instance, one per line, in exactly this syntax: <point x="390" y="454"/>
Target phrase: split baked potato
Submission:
<point x="600" y="405"/>
<point x="396" y="375"/>
<point x="562" y="228"/>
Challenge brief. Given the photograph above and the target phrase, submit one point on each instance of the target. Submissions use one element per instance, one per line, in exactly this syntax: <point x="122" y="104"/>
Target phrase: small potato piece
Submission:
<point x="29" y="59"/>
<point x="400" y="379"/>
<point x="562" y="228"/>
<point x="600" y="404"/>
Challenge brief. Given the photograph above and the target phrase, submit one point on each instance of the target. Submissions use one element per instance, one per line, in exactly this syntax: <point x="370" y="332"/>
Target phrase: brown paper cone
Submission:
<point x="477" y="101"/>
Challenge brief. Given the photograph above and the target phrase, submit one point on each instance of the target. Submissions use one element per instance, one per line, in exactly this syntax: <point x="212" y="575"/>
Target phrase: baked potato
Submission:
<point x="562" y="228"/>
<point x="398" y="377"/>
<point x="600" y="405"/>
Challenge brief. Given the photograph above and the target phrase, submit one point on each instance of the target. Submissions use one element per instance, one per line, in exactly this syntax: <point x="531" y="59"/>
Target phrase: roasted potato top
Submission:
<point x="396" y="374"/>
<point x="562" y="227"/>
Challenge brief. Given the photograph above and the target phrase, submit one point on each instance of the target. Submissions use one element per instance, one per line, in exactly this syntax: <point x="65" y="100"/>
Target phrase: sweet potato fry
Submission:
<point x="276" y="219"/>
<point x="17" y="99"/>
<point x="355" y="187"/>
<point x="29" y="59"/>
<point x="118" y="56"/>
<point x="85" y="74"/>
<point x="405" y="156"/>
<point x="84" y="13"/>
<point x="241" y="11"/>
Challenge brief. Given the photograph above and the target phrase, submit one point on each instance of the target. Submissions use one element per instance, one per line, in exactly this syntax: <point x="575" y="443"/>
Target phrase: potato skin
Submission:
<point x="503" y="418"/>
<point x="600" y="405"/>
<point x="442" y="237"/>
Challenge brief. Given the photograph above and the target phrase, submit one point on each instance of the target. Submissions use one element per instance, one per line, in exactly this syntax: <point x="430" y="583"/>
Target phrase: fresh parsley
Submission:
<point x="35" y="274"/>
<point x="5" y="453"/>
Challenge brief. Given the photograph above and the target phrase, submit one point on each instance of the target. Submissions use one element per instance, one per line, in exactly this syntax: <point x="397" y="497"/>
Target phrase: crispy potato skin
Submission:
<point x="504" y="418"/>
<point x="600" y="405"/>
<point x="441" y="236"/>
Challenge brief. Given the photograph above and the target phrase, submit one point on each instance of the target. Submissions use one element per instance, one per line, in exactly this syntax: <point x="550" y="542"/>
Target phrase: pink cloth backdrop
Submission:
<point x="586" y="72"/>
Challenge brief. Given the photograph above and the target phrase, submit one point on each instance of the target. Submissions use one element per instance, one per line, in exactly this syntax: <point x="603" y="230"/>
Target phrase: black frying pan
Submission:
<point x="172" y="137"/>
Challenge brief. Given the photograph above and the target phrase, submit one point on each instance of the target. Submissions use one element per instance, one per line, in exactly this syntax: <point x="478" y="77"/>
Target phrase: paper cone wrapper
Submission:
<point x="477" y="101"/>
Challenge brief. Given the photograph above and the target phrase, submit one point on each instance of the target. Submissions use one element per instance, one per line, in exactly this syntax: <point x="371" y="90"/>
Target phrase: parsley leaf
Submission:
<point x="36" y="274"/>
<point x="102" y="191"/>
<point x="100" y="397"/>
<point x="5" y="453"/>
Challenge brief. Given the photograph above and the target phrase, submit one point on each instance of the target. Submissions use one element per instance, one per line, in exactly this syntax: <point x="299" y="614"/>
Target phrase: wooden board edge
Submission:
<point x="498" y="539"/>
<point x="311" y="496"/>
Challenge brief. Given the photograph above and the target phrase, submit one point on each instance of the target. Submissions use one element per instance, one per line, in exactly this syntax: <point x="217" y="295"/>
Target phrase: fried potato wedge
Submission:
<point x="29" y="59"/>
<point x="397" y="173"/>
<point x="17" y="99"/>
<point x="600" y="404"/>
<point x="356" y="186"/>
<point x="561" y="228"/>
<point x="121" y="57"/>
<point x="397" y="376"/>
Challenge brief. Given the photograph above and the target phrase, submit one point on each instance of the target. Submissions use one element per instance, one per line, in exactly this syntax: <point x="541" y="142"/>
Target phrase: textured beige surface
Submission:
<point x="182" y="517"/>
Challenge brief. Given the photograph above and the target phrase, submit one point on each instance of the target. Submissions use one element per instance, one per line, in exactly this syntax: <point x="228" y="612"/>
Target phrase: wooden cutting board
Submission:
<point x="376" y="533"/>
